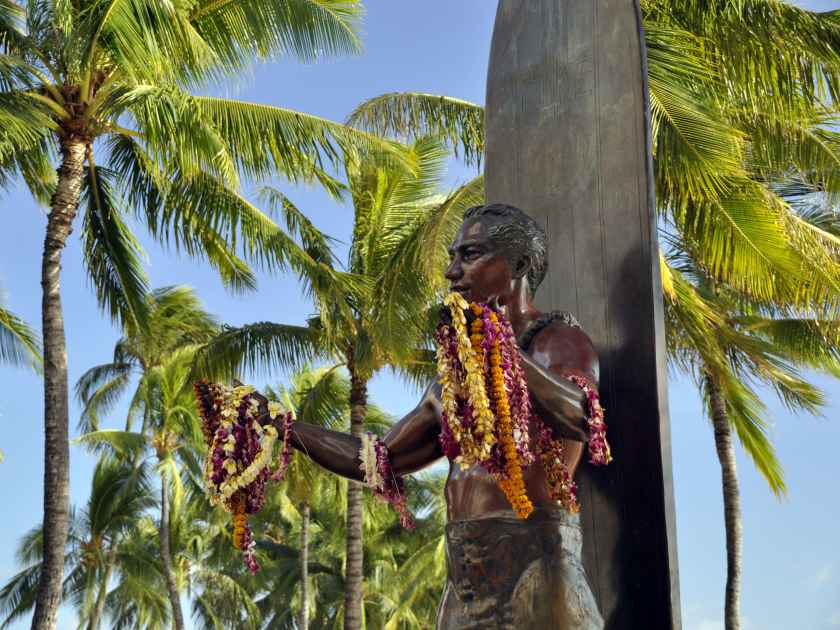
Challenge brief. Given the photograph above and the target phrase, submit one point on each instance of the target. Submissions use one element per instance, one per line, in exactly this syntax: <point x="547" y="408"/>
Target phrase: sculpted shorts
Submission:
<point x="506" y="573"/>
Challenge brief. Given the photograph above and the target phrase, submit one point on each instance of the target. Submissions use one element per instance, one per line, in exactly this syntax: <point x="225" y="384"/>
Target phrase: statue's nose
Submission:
<point x="453" y="271"/>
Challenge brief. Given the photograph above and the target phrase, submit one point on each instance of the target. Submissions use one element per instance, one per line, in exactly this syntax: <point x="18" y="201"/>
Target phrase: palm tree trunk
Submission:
<point x="731" y="504"/>
<point x="355" y="521"/>
<point x="166" y="555"/>
<point x="304" y="567"/>
<point x="96" y="617"/>
<point x="64" y="205"/>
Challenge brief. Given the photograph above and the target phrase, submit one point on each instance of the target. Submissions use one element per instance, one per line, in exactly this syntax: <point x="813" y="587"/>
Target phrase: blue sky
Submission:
<point x="791" y="558"/>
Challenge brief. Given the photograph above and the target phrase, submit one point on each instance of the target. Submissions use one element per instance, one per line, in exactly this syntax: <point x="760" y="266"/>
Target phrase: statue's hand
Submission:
<point x="261" y="400"/>
<point x="501" y="309"/>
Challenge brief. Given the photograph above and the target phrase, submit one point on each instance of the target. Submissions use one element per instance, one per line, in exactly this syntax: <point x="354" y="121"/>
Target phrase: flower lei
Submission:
<point x="241" y="439"/>
<point x="380" y="478"/>
<point x="487" y="408"/>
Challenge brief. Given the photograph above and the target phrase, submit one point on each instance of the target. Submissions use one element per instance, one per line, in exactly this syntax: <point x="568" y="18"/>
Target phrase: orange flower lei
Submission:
<point x="240" y="521"/>
<point x="513" y="486"/>
<point x="486" y="417"/>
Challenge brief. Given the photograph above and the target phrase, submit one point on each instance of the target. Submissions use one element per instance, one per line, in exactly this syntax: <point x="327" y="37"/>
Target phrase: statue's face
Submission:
<point x="477" y="270"/>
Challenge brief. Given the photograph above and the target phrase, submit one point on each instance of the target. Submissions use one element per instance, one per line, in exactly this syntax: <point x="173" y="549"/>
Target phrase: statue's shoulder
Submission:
<point x="557" y="339"/>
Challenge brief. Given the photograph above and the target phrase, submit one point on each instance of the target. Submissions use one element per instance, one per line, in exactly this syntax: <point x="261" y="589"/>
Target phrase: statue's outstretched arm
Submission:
<point x="558" y="352"/>
<point x="412" y="442"/>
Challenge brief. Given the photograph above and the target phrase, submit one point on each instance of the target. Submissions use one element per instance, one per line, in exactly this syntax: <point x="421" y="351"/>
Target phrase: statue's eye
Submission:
<point x="472" y="254"/>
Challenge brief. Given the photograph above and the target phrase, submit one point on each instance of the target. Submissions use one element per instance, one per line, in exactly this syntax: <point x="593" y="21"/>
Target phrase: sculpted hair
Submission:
<point x="515" y="234"/>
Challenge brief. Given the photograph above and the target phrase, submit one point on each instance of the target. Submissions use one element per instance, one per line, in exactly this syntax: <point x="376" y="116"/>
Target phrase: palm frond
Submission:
<point x="741" y="241"/>
<point x="224" y="603"/>
<point x="410" y="115"/>
<point x="272" y="140"/>
<point x="179" y="133"/>
<point x="811" y="342"/>
<point x="238" y="30"/>
<point x="259" y="347"/>
<point x="413" y="271"/>
<point x="99" y="389"/>
<point x="138" y="602"/>
<point x="112" y="254"/>
<point x="19" y="343"/>
<point x="24" y="122"/>
<point x="12" y="16"/>
<point x="119" y="494"/>
<point x="16" y="73"/>
<point x="321" y="398"/>
<point x="756" y="69"/>
<point x="144" y="40"/>
<point x="35" y="165"/>
<point x="697" y="152"/>
<point x="315" y="243"/>
<point x="392" y="201"/>
<point x="118" y="443"/>
<point x="17" y="597"/>
<point x="745" y="410"/>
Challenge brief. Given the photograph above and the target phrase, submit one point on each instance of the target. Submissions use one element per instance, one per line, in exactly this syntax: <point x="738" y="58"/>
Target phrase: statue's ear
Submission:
<point x="522" y="267"/>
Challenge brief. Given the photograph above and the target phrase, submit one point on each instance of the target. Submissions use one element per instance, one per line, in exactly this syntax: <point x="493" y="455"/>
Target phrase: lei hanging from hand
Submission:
<point x="241" y="436"/>
<point x="379" y="477"/>
<point x="487" y="407"/>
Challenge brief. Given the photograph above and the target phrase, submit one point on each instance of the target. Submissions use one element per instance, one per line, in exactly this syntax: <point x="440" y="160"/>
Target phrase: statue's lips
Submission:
<point x="460" y="289"/>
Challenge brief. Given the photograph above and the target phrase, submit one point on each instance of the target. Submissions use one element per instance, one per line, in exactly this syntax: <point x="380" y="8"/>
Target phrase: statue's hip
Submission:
<point x="509" y="573"/>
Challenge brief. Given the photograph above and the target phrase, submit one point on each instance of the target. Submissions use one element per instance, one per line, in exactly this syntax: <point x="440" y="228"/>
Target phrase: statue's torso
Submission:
<point x="474" y="493"/>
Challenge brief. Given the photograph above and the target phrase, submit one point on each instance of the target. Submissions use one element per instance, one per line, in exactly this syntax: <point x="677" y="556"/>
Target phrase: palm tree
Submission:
<point x="119" y="495"/>
<point x="729" y="344"/>
<point x="401" y="231"/>
<point x="221" y="588"/>
<point x="172" y="428"/>
<point x="318" y="397"/>
<point x="404" y="571"/>
<point x="740" y="100"/>
<point x="161" y="355"/>
<point x="100" y="89"/>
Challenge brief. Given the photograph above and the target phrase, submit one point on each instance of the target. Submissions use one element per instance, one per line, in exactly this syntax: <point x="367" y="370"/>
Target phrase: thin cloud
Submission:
<point x="822" y="577"/>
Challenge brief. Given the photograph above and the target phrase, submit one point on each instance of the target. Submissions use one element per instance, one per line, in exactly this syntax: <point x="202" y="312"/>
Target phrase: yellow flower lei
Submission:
<point x="477" y="444"/>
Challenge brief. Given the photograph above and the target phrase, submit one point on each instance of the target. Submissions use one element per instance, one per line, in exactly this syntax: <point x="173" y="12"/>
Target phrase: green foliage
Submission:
<point x="113" y="547"/>
<point x="402" y="229"/>
<point x="404" y="571"/>
<point x="121" y="71"/>
<point x="19" y="344"/>
<point x="119" y="495"/>
<point x="175" y="321"/>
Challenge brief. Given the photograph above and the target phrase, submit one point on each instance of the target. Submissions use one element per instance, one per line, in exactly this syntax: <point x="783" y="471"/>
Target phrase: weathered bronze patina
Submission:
<point x="503" y="572"/>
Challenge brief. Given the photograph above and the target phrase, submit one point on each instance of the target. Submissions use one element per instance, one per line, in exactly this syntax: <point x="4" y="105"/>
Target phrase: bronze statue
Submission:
<point x="503" y="572"/>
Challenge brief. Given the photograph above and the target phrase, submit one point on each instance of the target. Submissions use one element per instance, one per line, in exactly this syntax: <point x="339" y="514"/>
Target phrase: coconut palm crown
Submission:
<point x="98" y="106"/>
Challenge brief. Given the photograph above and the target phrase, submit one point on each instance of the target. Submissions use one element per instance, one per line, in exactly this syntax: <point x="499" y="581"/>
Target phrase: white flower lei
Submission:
<point x="370" y="465"/>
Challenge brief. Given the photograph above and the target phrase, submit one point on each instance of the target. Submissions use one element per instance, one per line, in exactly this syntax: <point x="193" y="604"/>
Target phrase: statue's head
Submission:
<point x="497" y="249"/>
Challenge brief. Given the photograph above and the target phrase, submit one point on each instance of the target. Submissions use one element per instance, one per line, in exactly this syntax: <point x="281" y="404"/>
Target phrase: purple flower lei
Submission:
<point x="393" y="488"/>
<point x="599" y="448"/>
<point x="285" y="456"/>
<point x="236" y="440"/>
<point x="548" y="449"/>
